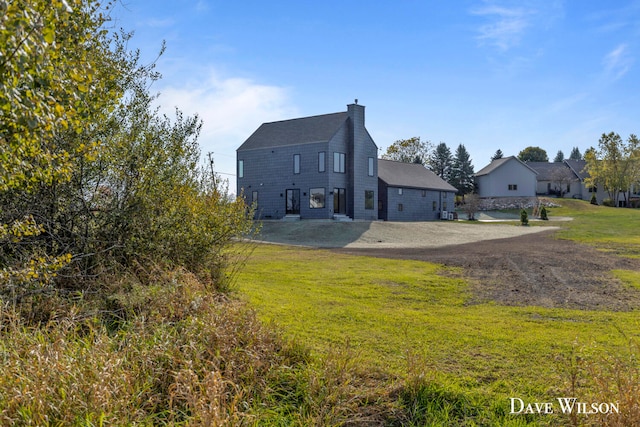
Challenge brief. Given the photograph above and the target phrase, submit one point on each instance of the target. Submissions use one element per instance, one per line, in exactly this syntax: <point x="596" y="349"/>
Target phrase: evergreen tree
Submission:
<point x="462" y="171"/>
<point x="575" y="154"/>
<point x="498" y="155"/>
<point x="559" y="157"/>
<point x="441" y="161"/>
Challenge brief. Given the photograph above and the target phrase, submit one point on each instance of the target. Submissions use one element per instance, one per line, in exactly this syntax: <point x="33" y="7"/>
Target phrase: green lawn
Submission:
<point x="408" y="318"/>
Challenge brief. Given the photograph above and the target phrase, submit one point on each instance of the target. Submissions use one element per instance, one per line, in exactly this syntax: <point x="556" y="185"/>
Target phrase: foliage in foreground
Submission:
<point x="93" y="180"/>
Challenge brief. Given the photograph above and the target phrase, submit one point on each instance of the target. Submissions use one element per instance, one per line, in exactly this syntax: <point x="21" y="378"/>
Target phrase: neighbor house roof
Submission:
<point x="547" y="171"/>
<point x="295" y="131"/>
<point x="495" y="164"/>
<point x="578" y="167"/>
<point x="413" y="175"/>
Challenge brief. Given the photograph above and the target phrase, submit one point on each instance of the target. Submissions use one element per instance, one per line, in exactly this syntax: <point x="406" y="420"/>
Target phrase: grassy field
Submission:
<point x="411" y="325"/>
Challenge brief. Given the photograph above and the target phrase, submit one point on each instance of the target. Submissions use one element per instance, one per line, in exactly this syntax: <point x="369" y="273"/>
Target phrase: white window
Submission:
<point x="370" y="172"/>
<point x="296" y="163"/>
<point x="321" y="161"/>
<point x="240" y="168"/>
<point x="339" y="162"/>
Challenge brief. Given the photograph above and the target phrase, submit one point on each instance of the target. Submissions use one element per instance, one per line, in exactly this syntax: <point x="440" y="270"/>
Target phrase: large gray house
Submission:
<point x="324" y="167"/>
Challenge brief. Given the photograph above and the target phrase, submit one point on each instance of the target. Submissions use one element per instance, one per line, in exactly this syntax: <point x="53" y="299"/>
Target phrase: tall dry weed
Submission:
<point x="611" y="379"/>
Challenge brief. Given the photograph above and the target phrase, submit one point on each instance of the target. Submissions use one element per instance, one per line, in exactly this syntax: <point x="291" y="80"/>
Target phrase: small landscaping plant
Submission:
<point x="524" y="218"/>
<point x="543" y="214"/>
<point x="594" y="201"/>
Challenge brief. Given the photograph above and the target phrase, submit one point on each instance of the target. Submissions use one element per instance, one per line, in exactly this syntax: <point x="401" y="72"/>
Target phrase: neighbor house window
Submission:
<point x="434" y="206"/>
<point x="339" y="162"/>
<point x="513" y="187"/>
<point x="296" y="163"/>
<point x="368" y="199"/>
<point x="321" y="161"/>
<point x="254" y="197"/>
<point x="240" y="168"/>
<point x="370" y="171"/>
<point x="400" y="207"/>
<point x="400" y="191"/>
<point x="444" y="206"/>
<point x="316" y="198"/>
<point x="424" y="193"/>
<point x="593" y="189"/>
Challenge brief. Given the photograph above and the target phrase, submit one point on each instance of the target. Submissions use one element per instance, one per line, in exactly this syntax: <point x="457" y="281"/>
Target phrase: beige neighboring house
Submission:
<point x="506" y="177"/>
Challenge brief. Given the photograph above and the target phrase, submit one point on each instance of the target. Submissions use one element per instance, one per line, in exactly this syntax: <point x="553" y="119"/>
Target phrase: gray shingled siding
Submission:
<point x="415" y="206"/>
<point x="270" y="172"/>
<point x="363" y="149"/>
<point x="268" y="165"/>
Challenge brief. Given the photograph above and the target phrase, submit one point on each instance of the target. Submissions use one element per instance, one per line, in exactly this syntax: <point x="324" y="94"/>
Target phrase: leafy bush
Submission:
<point x="524" y="217"/>
<point x="543" y="214"/>
<point x="608" y="202"/>
<point x="594" y="200"/>
<point x="92" y="179"/>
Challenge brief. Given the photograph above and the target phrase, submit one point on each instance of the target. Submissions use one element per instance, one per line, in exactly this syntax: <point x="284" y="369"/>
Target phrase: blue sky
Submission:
<point x="487" y="74"/>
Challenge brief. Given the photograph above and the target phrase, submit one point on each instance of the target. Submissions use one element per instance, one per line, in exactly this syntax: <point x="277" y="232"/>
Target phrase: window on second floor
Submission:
<point x="370" y="168"/>
<point x="321" y="161"/>
<point x="240" y="168"/>
<point x="339" y="162"/>
<point x="296" y="163"/>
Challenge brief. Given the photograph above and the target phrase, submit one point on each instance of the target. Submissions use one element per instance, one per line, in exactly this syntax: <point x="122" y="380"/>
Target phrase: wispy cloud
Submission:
<point x="231" y="108"/>
<point x="617" y="62"/>
<point x="505" y="25"/>
<point x="159" y="23"/>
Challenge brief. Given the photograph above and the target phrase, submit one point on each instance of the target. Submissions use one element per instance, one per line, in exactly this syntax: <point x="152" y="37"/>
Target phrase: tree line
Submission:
<point x="613" y="166"/>
<point x="456" y="169"/>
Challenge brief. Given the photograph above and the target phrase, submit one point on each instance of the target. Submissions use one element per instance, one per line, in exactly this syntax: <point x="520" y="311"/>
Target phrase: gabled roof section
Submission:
<point x="495" y="164"/>
<point x="411" y="175"/>
<point x="295" y="131"/>
<point x="548" y="171"/>
<point x="578" y="167"/>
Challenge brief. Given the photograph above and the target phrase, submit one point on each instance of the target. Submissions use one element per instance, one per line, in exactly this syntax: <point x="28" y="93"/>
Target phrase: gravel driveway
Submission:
<point x="379" y="234"/>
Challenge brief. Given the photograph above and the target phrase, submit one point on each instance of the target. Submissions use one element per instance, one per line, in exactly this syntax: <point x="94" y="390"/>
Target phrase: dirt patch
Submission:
<point x="508" y="264"/>
<point x="531" y="270"/>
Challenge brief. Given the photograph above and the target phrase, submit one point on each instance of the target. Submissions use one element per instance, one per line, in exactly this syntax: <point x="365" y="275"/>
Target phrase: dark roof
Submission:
<point x="578" y="167"/>
<point x="295" y="131"/>
<point x="495" y="164"/>
<point x="413" y="175"/>
<point x="547" y="170"/>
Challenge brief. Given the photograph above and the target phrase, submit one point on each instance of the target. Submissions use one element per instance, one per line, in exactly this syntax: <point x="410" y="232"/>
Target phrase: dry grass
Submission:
<point x="177" y="355"/>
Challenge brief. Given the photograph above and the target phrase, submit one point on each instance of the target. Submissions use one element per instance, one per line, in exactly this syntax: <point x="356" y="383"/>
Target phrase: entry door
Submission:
<point x="340" y="200"/>
<point x="293" y="202"/>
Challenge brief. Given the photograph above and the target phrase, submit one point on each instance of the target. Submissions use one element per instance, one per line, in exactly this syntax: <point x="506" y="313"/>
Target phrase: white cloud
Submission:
<point x="507" y="21"/>
<point x="231" y="109"/>
<point x="505" y="27"/>
<point x="617" y="62"/>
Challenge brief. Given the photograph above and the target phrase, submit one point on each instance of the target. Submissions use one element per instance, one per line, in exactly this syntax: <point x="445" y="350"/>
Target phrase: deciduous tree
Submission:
<point x="533" y="154"/>
<point x="412" y="150"/>
<point x="615" y="165"/>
